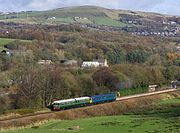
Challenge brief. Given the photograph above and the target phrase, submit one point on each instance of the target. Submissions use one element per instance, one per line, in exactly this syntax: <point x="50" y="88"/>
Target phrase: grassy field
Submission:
<point x="133" y="91"/>
<point x="4" y="41"/>
<point x="97" y="15"/>
<point x="164" y="118"/>
<point x="171" y="101"/>
<point x="108" y="21"/>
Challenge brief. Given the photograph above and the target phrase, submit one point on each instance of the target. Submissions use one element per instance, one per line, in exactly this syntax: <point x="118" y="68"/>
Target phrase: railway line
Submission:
<point x="118" y="99"/>
<point x="145" y="94"/>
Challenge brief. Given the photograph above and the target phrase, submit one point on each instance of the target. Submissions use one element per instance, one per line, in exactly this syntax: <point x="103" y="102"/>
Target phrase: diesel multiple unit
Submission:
<point x="82" y="101"/>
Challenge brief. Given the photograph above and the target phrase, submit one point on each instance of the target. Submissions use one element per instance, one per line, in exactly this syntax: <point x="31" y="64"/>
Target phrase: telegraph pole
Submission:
<point x="17" y="14"/>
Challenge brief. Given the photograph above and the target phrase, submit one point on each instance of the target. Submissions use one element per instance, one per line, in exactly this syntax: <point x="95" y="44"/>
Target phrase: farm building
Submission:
<point x="95" y="63"/>
<point x="44" y="62"/>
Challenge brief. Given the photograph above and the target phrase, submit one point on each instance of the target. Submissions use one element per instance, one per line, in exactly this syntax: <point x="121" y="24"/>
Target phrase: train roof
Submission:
<point x="72" y="100"/>
<point x="82" y="98"/>
<point x="64" y="101"/>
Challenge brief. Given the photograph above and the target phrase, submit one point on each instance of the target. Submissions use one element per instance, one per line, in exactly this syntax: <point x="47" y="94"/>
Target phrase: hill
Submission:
<point x="85" y="14"/>
<point x="141" y="23"/>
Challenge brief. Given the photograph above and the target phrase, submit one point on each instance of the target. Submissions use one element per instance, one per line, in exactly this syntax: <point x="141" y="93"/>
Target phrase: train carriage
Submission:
<point x="103" y="98"/>
<point x="69" y="103"/>
<point x="82" y="101"/>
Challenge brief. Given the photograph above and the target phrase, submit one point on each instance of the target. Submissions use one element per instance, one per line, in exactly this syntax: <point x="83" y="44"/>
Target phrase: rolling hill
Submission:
<point x="137" y="22"/>
<point x="82" y="14"/>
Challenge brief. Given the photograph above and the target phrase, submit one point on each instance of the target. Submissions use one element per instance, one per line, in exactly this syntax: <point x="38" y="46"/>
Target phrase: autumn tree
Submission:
<point x="105" y="78"/>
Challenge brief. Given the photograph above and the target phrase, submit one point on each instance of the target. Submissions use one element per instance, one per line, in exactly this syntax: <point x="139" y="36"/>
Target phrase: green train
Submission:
<point x="81" y="101"/>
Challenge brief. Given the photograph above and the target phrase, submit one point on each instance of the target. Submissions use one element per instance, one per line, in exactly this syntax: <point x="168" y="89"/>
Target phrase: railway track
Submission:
<point x="118" y="99"/>
<point x="145" y="94"/>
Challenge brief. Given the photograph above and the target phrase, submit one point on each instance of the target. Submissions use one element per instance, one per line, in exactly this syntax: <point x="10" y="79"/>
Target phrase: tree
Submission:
<point x="137" y="56"/>
<point x="28" y="87"/>
<point x="105" y="78"/>
<point x="5" y="103"/>
<point x="87" y="84"/>
<point x="70" y="83"/>
<point x="116" y="57"/>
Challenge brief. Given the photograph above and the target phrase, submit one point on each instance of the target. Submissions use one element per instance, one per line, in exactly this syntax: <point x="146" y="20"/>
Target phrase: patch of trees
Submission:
<point x="137" y="56"/>
<point x="35" y="86"/>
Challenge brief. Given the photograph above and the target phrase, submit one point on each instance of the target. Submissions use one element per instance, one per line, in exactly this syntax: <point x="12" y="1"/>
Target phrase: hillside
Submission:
<point x="86" y="14"/>
<point x="131" y="21"/>
<point x="67" y="15"/>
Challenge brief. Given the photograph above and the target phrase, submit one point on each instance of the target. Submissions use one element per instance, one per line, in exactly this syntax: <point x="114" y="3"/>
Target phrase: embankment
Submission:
<point x="107" y="109"/>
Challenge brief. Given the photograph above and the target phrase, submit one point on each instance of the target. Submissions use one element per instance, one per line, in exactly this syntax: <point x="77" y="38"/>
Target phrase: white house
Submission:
<point x="102" y="62"/>
<point x="95" y="63"/>
<point x="44" y="62"/>
<point x="88" y="64"/>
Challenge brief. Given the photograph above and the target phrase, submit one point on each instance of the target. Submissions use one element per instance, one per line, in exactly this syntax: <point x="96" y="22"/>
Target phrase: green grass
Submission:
<point x="163" y="118"/>
<point x="84" y="21"/>
<point x="133" y="91"/>
<point x="109" y="124"/>
<point x="98" y="15"/>
<point x="171" y="101"/>
<point x="108" y="21"/>
<point x="65" y="20"/>
<point x="4" y="41"/>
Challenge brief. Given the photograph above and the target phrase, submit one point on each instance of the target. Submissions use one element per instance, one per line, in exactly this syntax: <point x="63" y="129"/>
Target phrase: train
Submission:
<point x="59" y="105"/>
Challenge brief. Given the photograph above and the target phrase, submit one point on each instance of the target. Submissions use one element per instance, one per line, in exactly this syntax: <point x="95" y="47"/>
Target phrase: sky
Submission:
<point x="171" y="7"/>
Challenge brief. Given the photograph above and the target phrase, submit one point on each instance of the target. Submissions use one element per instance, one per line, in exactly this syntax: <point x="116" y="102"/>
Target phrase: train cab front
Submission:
<point x="53" y="107"/>
<point x="50" y="106"/>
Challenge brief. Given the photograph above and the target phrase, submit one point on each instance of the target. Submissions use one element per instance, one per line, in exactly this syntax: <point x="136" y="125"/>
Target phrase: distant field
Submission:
<point x="64" y="20"/>
<point x="4" y="41"/>
<point x="162" y="119"/>
<point x="108" y="21"/>
<point x="97" y="15"/>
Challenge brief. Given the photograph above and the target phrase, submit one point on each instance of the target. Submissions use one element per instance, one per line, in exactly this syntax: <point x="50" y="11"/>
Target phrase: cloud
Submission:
<point x="161" y="6"/>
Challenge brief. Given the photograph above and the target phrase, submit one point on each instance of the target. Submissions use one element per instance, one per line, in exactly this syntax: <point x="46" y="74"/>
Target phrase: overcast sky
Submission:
<point x="160" y="6"/>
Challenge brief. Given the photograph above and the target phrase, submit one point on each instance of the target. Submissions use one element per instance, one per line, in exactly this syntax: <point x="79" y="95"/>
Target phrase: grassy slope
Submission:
<point x="108" y="21"/>
<point x="97" y="15"/>
<point x="4" y="41"/>
<point x="164" y="118"/>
